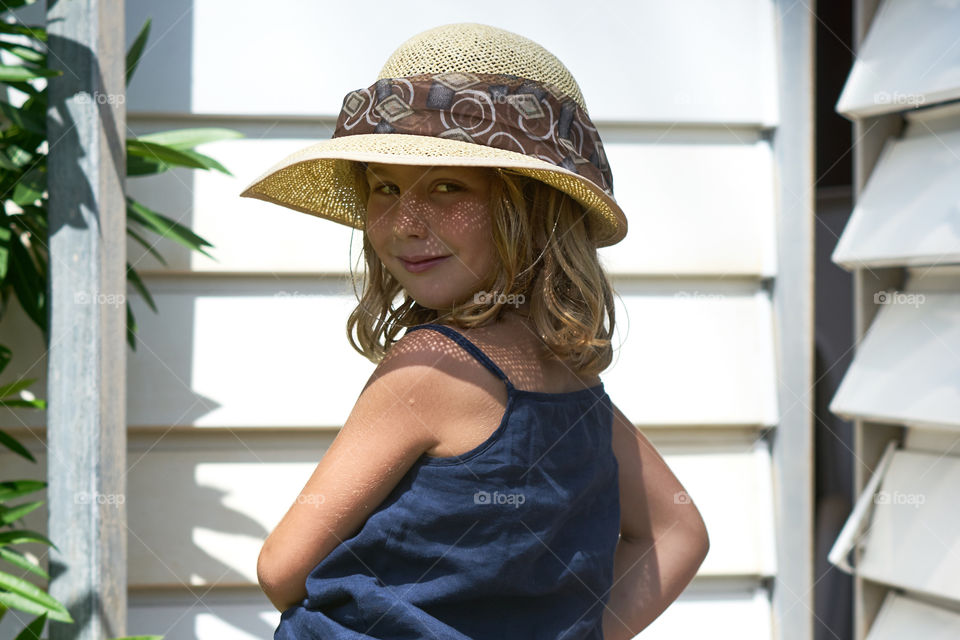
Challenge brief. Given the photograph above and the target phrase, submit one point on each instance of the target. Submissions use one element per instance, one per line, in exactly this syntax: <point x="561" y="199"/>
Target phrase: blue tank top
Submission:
<point x="512" y="539"/>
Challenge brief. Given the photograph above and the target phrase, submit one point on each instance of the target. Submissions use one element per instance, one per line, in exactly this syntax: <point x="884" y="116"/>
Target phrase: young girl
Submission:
<point x="484" y="485"/>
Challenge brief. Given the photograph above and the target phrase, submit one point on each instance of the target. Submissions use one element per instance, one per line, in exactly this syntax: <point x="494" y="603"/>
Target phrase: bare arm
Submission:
<point x="663" y="540"/>
<point x="390" y="426"/>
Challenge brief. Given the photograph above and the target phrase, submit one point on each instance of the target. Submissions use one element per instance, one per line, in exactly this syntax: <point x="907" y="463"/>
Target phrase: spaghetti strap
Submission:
<point x="471" y="348"/>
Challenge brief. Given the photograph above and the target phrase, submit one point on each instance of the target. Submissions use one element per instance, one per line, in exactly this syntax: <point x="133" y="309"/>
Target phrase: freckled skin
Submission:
<point x="421" y="210"/>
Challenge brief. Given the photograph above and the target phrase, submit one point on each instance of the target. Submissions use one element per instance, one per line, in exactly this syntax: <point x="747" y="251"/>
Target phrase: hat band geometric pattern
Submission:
<point x="496" y="110"/>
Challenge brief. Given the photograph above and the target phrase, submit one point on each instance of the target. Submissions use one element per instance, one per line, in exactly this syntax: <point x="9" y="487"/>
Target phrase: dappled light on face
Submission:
<point x="424" y="212"/>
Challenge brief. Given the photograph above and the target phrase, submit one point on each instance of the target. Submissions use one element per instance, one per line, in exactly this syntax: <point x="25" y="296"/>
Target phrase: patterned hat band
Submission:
<point x="496" y="110"/>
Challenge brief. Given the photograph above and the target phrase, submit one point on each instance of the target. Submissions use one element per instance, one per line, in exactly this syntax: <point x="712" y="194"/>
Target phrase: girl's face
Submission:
<point x="415" y="212"/>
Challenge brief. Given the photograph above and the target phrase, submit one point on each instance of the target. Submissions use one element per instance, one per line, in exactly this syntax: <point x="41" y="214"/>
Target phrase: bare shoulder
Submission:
<point x="445" y="386"/>
<point x="520" y="352"/>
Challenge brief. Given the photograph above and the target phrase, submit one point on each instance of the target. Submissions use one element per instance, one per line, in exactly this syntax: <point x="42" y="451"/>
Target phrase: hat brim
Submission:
<point x="320" y="179"/>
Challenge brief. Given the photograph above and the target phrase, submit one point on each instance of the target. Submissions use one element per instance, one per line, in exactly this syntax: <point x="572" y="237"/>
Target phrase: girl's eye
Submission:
<point x="444" y="187"/>
<point x="377" y="188"/>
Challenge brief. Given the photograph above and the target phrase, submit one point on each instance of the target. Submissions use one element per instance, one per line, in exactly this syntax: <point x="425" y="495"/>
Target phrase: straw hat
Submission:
<point x="467" y="95"/>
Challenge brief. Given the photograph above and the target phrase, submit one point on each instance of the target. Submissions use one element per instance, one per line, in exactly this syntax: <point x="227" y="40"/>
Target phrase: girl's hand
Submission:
<point x="393" y="422"/>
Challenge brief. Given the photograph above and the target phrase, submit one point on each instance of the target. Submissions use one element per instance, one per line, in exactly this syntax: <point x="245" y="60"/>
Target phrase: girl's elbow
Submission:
<point x="267" y="575"/>
<point x="699" y="541"/>
<point x="695" y="537"/>
<point x="264" y="567"/>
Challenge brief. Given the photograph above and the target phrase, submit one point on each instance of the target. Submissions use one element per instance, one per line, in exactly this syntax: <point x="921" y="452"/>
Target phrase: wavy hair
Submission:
<point x="547" y="254"/>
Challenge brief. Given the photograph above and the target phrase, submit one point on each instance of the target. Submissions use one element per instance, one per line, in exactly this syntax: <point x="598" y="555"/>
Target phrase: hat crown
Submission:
<point x="479" y="48"/>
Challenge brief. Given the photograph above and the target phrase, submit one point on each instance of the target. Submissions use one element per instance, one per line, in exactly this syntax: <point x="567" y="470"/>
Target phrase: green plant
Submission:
<point x="24" y="261"/>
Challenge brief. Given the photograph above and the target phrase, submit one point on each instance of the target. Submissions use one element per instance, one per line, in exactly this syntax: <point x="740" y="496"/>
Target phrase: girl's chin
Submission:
<point x="440" y="303"/>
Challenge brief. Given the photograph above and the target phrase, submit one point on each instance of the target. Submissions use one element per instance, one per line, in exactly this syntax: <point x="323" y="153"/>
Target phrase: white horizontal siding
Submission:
<point x="729" y="480"/>
<point x="229" y="614"/>
<point x="719" y="610"/>
<point x="698" y="201"/>
<point x="199" y="506"/>
<point x="694" y="352"/>
<point x="637" y="61"/>
<point x="266" y="352"/>
<point x="909" y="59"/>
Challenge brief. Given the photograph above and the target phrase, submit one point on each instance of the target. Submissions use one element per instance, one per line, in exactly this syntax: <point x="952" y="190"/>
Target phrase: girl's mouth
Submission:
<point x="417" y="267"/>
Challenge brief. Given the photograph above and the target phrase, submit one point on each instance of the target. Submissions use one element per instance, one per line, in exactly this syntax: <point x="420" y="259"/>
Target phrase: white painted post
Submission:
<point x="793" y="452"/>
<point x="86" y="390"/>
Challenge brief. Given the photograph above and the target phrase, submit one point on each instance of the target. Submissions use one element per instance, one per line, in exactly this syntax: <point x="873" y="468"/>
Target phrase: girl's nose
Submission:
<point x="411" y="216"/>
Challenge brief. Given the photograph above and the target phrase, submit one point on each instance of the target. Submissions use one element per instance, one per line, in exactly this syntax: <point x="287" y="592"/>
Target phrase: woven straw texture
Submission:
<point x="321" y="179"/>
<point x="481" y="49"/>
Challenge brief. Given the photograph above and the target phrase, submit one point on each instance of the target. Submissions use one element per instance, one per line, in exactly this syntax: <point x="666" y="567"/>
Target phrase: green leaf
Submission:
<point x="166" y="227"/>
<point x="25" y="87"/>
<point x="13" y="489"/>
<point x="136" y="50"/>
<point x="22" y="119"/>
<point x="190" y="138"/>
<point x="11" y="443"/>
<point x="162" y="153"/>
<point x="134" y="278"/>
<point x="146" y="245"/>
<point x="15" y="4"/>
<point x="33" y="219"/>
<point x="29" y="284"/>
<point x="5" y="162"/>
<point x="24" y="53"/>
<point x="24" y="404"/>
<point x="131" y="328"/>
<point x="24" y="193"/>
<point x="32" y="631"/>
<point x="137" y="166"/>
<point x="23" y="595"/>
<point x="15" y="387"/>
<point x="17" y="155"/>
<point x="20" y="536"/>
<point x="9" y="515"/>
<point x="38" y="33"/>
<point x="30" y="187"/>
<point x="207" y="161"/>
<point x="21" y="561"/>
<point x="19" y="73"/>
<point x="4" y="249"/>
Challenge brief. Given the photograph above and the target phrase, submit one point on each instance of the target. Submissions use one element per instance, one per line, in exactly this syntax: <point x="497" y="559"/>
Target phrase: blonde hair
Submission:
<point x="547" y="254"/>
